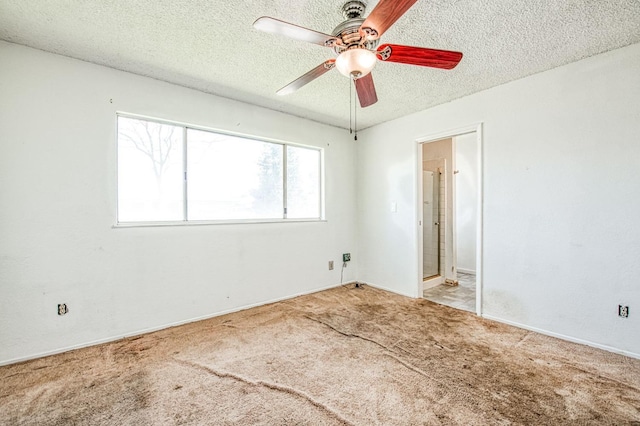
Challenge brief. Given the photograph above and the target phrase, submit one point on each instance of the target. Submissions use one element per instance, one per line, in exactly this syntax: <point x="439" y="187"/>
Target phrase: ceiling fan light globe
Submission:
<point x="356" y="63"/>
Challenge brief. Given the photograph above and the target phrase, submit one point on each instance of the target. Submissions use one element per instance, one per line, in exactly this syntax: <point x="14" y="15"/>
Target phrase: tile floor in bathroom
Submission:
<point x="462" y="296"/>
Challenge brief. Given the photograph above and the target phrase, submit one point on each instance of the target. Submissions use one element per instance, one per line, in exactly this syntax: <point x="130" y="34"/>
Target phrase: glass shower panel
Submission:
<point x="431" y="225"/>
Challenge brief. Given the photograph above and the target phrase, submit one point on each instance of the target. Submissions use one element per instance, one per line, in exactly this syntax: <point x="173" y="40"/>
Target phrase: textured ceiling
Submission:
<point x="211" y="45"/>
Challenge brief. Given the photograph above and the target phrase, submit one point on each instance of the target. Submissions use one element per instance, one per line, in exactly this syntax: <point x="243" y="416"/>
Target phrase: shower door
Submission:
<point x="431" y="226"/>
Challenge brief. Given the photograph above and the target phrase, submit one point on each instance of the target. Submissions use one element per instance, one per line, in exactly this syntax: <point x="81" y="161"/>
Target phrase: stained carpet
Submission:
<point x="339" y="357"/>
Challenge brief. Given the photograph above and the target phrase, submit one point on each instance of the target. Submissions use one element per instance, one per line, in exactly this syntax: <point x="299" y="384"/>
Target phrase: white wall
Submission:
<point x="561" y="243"/>
<point x="58" y="195"/>
<point x="466" y="201"/>
<point x="561" y="184"/>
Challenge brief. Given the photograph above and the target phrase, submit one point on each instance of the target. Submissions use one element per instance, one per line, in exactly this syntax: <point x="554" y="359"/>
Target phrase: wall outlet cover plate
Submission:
<point x="623" y="311"/>
<point x="62" y="309"/>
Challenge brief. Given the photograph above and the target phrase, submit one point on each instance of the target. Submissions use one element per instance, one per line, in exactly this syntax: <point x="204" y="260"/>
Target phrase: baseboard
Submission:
<point x="466" y="271"/>
<point x="161" y="327"/>
<point x="253" y="305"/>
<point x="432" y="282"/>
<point x="390" y="290"/>
<point x="564" y="337"/>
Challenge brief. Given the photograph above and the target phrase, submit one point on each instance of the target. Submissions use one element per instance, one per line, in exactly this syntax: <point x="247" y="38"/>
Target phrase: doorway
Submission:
<point x="449" y="225"/>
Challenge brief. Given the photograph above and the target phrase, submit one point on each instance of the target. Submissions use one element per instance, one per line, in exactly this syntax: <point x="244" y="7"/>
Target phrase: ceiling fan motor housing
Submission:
<point x="349" y="37"/>
<point x="348" y="31"/>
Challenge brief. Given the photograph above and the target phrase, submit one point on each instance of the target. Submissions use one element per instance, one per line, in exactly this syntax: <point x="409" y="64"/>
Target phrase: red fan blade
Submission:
<point x="419" y="56"/>
<point x="307" y="78"/>
<point x="275" y="26"/>
<point x="385" y="14"/>
<point x="366" y="91"/>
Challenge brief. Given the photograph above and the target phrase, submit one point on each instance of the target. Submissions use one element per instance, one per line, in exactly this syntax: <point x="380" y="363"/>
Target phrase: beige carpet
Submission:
<point x="343" y="356"/>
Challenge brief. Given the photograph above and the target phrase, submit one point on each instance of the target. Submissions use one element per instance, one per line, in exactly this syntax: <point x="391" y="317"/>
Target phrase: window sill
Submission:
<point x="211" y="222"/>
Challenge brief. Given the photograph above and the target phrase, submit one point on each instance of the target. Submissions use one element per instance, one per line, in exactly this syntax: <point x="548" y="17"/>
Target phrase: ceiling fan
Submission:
<point x="355" y="41"/>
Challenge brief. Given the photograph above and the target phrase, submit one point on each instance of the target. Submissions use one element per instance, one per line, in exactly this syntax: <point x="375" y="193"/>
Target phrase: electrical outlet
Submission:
<point x="331" y="265"/>
<point x="346" y="257"/>
<point x="62" y="308"/>
<point x="623" y="311"/>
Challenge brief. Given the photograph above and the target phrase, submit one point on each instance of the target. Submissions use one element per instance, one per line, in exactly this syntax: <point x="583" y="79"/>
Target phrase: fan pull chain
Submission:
<point x="353" y="110"/>
<point x="350" y="110"/>
<point x="355" y="115"/>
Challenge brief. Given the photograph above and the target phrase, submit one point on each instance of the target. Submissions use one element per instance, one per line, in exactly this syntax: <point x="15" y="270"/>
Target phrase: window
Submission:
<point x="150" y="177"/>
<point x="173" y="173"/>
<point x="303" y="178"/>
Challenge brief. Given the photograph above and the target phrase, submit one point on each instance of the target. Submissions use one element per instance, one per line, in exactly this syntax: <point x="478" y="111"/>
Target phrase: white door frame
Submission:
<point x="477" y="128"/>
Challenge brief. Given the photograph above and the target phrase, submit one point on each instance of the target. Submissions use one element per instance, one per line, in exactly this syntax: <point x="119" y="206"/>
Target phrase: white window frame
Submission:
<point x="185" y="222"/>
